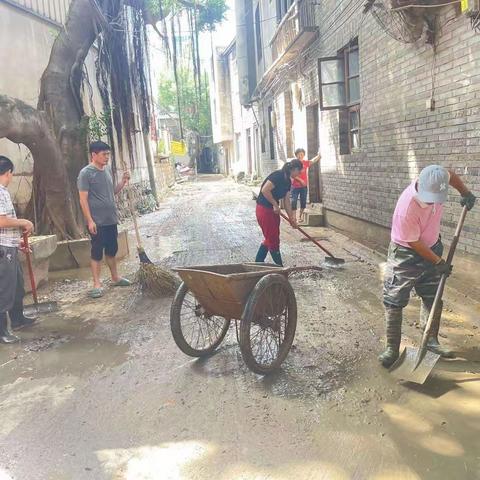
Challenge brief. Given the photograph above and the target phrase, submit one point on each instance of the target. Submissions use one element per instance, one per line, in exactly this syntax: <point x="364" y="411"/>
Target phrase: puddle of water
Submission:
<point x="59" y="346"/>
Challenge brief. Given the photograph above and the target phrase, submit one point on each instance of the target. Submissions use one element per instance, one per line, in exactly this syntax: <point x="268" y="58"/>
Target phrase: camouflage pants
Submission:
<point x="405" y="271"/>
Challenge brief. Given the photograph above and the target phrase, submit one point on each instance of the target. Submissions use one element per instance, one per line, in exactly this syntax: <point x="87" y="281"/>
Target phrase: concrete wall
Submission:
<point x="26" y="43"/>
<point x="220" y="100"/>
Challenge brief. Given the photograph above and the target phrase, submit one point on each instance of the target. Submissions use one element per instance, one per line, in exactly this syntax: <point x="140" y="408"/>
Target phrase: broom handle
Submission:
<point x="30" y="269"/>
<point x="132" y="211"/>
<point x="304" y="233"/>
<point x="134" y="218"/>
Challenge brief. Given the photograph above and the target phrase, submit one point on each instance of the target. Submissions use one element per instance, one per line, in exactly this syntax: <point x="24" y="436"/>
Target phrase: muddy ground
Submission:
<point x="100" y="390"/>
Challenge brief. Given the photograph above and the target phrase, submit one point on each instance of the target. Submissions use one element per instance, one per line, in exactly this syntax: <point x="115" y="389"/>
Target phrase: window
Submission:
<point x="258" y="33"/>
<point x="339" y="79"/>
<point x="282" y="8"/>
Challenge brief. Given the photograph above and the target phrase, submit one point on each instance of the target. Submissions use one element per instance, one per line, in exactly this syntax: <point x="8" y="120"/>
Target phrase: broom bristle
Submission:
<point x="156" y="280"/>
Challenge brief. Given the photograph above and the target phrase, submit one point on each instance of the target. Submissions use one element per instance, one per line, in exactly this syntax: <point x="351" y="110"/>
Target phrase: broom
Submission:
<point x="152" y="278"/>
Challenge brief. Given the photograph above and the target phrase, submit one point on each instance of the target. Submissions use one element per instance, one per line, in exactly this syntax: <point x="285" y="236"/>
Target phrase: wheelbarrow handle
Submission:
<point x="30" y="269"/>
<point x="305" y="234"/>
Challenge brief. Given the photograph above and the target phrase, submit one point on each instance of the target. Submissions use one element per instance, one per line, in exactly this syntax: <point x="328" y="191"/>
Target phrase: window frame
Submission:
<point x="352" y="131"/>
<point x="346" y="55"/>
<point x="349" y="106"/>
<point x="337" y="58"/>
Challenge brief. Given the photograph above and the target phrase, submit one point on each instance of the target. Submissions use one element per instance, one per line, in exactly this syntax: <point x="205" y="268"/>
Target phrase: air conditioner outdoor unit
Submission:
<point x="470" y="7"/>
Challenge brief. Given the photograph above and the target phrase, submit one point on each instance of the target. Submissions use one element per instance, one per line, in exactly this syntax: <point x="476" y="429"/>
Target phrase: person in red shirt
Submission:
<point x="300" y="183"/>
<point x="275" y="188"/>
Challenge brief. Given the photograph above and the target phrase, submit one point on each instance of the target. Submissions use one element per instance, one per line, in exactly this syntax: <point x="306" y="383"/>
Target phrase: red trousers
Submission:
<point x="270" y="224"/>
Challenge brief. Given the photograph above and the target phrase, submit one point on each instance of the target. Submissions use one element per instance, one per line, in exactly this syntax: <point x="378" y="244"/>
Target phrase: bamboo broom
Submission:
<point x="152" y="278"/>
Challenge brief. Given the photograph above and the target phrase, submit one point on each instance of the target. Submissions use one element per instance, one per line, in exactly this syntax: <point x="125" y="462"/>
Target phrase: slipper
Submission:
<point x="123" y="282"/>
<point x="95" y="293"/>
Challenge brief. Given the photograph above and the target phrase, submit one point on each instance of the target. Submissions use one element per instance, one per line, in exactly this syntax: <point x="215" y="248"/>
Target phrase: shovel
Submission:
<point x="331" y="259"/>
<point x="36" y="308"/>
<point x="415" y="364"/>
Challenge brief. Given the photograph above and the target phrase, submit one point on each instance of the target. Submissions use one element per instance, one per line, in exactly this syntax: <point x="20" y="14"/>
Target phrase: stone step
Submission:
<point x="314" y="219"/>
<point x="314" y="215"/>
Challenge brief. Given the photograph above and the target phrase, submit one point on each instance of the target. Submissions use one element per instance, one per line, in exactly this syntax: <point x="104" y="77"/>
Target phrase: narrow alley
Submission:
<point x="101" y="391"/>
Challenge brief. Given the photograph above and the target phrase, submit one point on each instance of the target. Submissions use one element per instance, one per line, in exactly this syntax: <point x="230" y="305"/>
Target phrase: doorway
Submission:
<point x="313" y="145"/>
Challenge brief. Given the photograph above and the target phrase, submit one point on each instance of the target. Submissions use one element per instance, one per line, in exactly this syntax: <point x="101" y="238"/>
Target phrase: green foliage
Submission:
<point x="98" y="125"/>
<point x="194" y="109"/>
<point x="213" y="14"/>
<point x="158" y="7"/>
<point x="210" y="12"/>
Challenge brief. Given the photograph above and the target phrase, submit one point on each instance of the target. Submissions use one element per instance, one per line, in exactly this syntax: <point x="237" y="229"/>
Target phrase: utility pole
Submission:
<point x="150" y="166"/>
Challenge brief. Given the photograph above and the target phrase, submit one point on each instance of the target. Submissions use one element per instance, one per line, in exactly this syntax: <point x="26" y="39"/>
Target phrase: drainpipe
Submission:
<point x="242" y="50"/>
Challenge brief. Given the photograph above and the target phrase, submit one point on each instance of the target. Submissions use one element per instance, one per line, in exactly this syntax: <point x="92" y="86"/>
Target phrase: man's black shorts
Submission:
<point x="105" y="239"/>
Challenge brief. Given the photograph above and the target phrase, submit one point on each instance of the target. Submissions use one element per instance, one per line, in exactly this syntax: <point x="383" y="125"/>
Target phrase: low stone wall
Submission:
<point x="165" y="174"/>
<point x="76" y="253"/>
<point x="43" y="247"/>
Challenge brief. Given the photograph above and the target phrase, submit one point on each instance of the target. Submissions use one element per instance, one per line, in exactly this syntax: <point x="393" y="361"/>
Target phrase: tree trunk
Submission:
<point x="61" y="101"/>
<point x="21" y="123"/>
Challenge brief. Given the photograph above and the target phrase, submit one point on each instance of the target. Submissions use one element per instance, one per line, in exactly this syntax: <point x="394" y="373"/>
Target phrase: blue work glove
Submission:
<point x="442" y="268"/>
<point x="468" y="200"/>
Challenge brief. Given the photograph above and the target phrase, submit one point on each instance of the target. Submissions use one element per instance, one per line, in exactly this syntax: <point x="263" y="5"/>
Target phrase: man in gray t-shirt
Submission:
<point x="97" y="199"/>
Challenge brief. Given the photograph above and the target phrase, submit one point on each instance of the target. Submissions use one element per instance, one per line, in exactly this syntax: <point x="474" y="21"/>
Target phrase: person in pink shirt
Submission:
<point x="300" y="183"/>
<point x="415" y="254"/>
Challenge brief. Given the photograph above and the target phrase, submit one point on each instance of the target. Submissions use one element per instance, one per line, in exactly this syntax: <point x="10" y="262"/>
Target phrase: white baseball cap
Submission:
<point x="432" y="184"/>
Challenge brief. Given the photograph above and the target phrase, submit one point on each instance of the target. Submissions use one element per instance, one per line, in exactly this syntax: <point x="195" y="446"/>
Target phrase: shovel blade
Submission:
<point x="404" y="368"/>
<point x="39" y="308"/>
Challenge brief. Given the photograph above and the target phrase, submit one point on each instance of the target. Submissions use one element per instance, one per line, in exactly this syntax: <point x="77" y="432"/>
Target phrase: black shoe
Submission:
<point x="23" y="321"/>
<point x="8" y="338"/>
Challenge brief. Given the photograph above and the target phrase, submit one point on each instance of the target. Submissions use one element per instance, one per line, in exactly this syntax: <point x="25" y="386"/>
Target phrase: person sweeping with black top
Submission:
<point x="276" y="187"/>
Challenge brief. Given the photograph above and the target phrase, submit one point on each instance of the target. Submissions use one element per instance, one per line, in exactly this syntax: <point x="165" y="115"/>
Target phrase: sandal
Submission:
<point x="123" y="282"/>
<point x="96" y="293"/>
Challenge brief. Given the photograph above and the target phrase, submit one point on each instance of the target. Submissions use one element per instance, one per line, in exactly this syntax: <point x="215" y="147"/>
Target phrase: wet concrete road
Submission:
<point x="100" y="390"/>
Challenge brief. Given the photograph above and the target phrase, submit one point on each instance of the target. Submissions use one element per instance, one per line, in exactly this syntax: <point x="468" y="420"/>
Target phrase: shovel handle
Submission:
<point x="440" y="289"/>
<point x="304" y="233"/>
<point x="30" y="269"/>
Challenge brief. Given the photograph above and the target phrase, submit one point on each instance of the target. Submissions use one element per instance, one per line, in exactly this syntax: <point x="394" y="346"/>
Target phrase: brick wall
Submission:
<point x="400" y="135"/>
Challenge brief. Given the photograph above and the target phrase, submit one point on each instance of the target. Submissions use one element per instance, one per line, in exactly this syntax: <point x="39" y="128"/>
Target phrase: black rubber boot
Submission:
<point x="393" y="318"/>
<point x="277" y="258"/>
<point x="19" y="320"/>
<point x="5" y="334"/>
<point x="262" y="253"/>
<point x="433" y="345"/>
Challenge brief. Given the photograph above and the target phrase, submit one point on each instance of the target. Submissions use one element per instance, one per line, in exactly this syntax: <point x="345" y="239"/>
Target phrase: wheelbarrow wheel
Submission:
<point x="268" y="324"/>
<point x="196" y="333"/>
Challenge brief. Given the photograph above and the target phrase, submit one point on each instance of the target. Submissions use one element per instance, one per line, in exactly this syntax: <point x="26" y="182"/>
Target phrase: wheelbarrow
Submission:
<point x="257" y="295"/>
